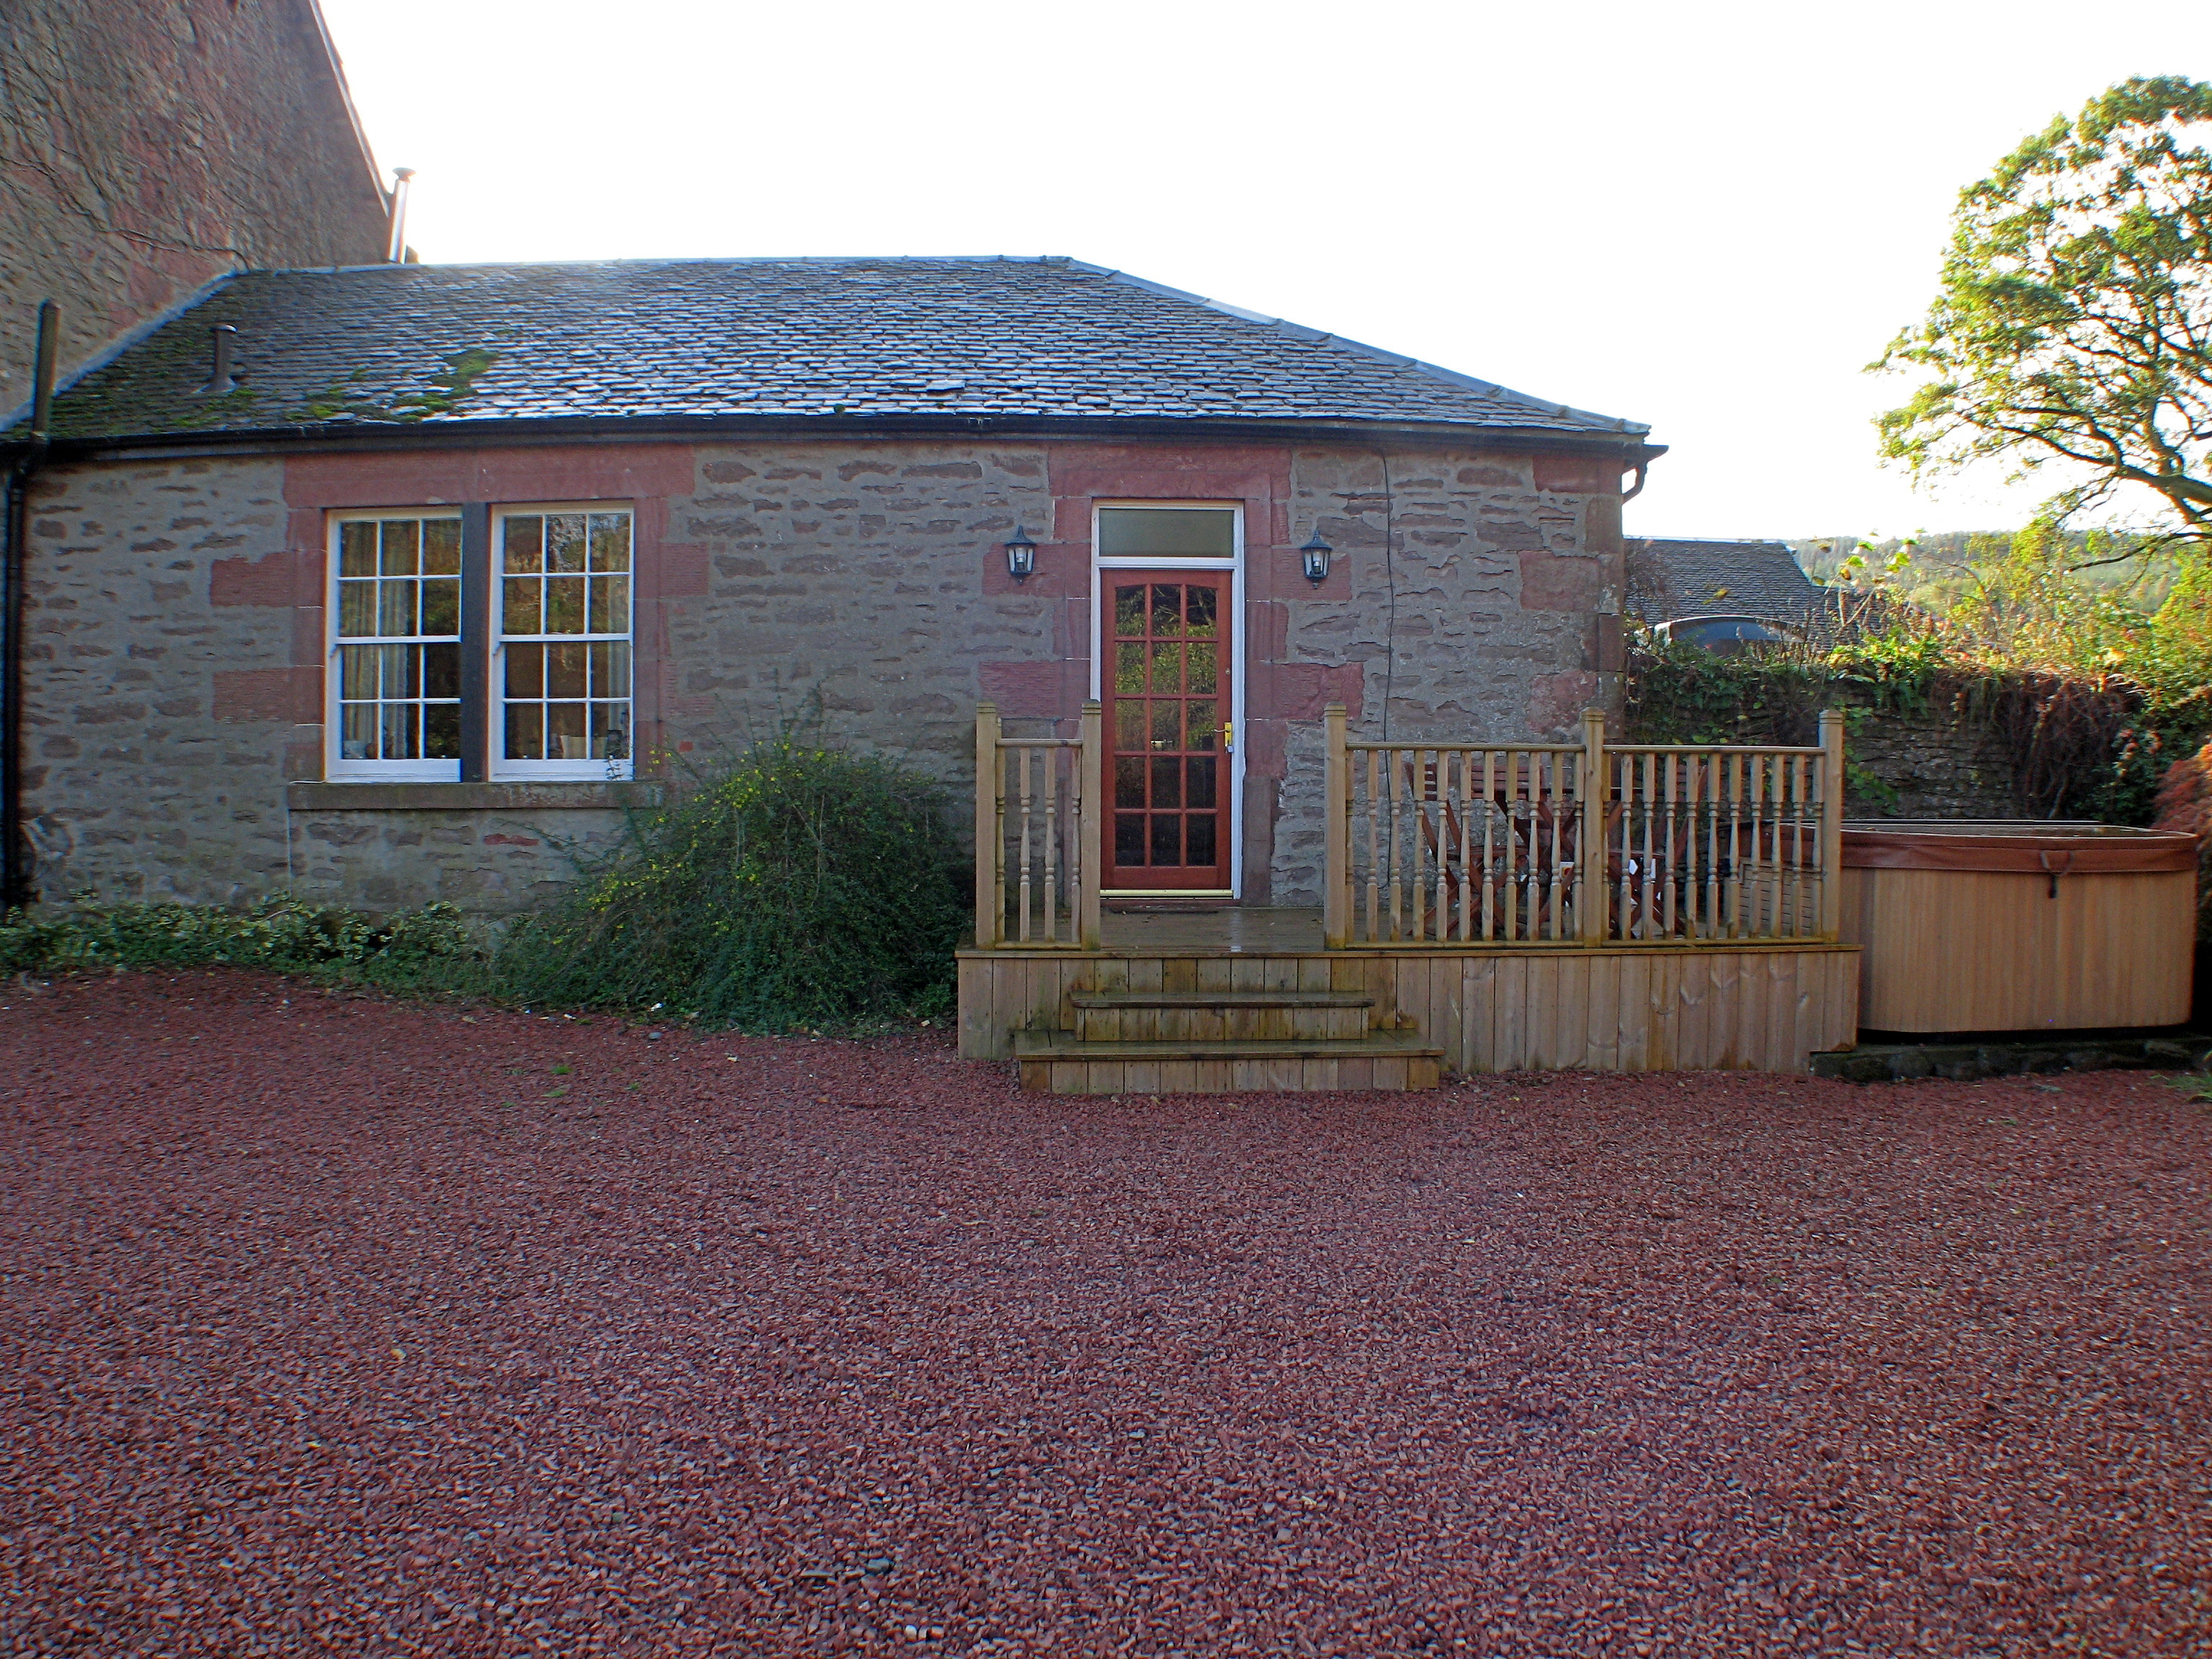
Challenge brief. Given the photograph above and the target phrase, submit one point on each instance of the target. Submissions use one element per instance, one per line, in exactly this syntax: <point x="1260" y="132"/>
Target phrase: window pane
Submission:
<point x="399" y="730"/>
<point x="610" y="731"/>
<point x="526" y="730"/>
<point x="525" y="671"/>
<point x="565" y="737"/>
<point x="395" y="610"/>
<point x="523" y="542"/>
<point x="1205" y="728"/>
<point x="564" y="670"/>
<point x="403" y="540"/>
<point x="356" y="609"/>
<point x="399" y="666"/>
<point x="609" y="541"/>
<point x="441" y="606"/>
<point x="441" y="671"/>
<point x="1128" y="780"/>
<point x="441" y="547"/>
<point x="1174" y="532"/>
<point x="1129" y="610"/>
<point x="610" y="670"/>
<point x="356" y="672"/>
<point x="442" y="731"/>
<point x="610" y="604"/>
<point x="520" y="612"/>
<point x="357" y="550"/>
<point x="1167" y="839"/>
<point x="564" y="605"/>
<point x="359" y="740"/>
<point x="1128" y="725"/>
<point x="564" y="542"/>
<point x="1167" y="781"/>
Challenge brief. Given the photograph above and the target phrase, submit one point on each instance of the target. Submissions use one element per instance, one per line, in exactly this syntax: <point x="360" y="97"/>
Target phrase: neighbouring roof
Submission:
<point x="721" y="340"/>
<point x="1669" y="578"/>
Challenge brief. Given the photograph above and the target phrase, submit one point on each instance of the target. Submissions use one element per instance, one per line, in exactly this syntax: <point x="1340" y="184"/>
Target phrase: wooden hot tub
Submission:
<point x="2017" y="926"/>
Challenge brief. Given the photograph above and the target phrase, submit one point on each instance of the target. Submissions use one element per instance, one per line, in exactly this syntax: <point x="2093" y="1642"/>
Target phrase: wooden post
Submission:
<point x="990" y="909"/>
<point x="1336" y="819"/>
<point x="1590" y="877"/>
<point x="1090" y="828"/>
<point x="1832" y="823"/>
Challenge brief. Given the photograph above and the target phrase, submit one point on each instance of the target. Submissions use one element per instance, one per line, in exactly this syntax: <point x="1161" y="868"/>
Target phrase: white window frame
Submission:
<point x="336" y="766"/>
<point x="1235" y="564"/>
<point x="500" y="767"/>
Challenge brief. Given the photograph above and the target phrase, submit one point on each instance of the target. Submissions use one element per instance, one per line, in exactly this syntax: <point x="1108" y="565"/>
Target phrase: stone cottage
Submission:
<point x="391" y="584"/>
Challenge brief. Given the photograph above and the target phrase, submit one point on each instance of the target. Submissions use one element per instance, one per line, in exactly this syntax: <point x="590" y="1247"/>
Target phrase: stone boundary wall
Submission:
<point x="1936" y="766"/>
<point x="177" y="641"/>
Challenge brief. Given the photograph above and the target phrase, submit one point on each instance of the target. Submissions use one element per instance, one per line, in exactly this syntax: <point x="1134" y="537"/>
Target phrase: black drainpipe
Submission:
<point x="14" y="853"/>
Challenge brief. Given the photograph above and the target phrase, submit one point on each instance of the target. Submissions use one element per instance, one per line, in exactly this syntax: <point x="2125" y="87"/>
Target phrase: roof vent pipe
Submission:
<point x="220" y="379"/>
<point x="395" y="248"/>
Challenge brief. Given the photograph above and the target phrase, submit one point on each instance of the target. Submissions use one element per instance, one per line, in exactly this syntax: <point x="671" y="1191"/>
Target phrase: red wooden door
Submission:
<point x="1167" y="680"/>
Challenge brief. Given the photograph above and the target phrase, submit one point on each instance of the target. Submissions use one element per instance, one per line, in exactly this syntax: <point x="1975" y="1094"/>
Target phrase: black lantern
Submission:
<point x="1314" y="554"/>
<point x="1021" y="556"/>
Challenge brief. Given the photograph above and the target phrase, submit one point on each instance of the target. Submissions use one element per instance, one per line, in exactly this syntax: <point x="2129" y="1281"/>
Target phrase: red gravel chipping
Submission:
<point x="332" y="1325"/>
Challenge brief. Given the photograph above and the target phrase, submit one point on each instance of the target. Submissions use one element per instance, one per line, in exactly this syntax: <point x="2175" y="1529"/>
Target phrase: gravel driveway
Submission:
<point x="329" y="1325"/>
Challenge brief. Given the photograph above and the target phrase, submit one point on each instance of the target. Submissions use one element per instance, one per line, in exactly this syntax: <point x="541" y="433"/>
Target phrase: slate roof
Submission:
<point x="1669" y="578"/>
<point x="906" y="340"/>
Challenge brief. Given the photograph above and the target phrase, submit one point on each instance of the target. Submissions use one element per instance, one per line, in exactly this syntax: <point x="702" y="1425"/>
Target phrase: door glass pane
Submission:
<point x="1205" y="729"/>
<point x="1129" y="724"/>
<point x="1202" y="843"/>
<point x="1129" y="670"/>
<point x="1199" y="658"/>
<point x="1201" y="782"/>
<point x="1167" y="838"/>
<point x="1167" y="668"/>
<point x="1204" y="607"/>
<point x="1129" y="611"/>
<point x="1167" y="781"/>
<point x="1128" y="780"/>
<point x="1128" y="838"/>
<point x="1166" y="733"/>
<point x="1167" y="608"/>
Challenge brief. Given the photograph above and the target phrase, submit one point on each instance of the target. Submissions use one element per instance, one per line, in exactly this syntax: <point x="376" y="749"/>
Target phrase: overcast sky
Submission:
<point x="1704" y="216"/>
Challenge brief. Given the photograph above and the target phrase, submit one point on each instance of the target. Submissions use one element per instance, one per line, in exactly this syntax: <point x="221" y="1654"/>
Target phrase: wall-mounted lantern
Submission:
<point x="1315" y="557"/>
<point x="1021" y="556"/>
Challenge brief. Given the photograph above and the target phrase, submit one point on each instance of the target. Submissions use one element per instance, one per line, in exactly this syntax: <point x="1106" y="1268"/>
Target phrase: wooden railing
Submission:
<point x="1038" y="802"/>
<point x="1483" y="844"/>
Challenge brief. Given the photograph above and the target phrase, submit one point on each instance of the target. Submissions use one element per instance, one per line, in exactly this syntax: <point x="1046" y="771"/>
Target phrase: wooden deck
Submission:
<point x="1759" y="1006"/>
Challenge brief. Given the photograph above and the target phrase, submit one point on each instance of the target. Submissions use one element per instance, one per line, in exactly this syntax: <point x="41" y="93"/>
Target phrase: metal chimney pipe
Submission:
<point x="396" y="250"/>
<point x="220" y="379"/>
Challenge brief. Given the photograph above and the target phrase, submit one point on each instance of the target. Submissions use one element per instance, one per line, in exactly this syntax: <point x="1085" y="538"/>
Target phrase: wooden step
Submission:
<point x="1220" y="1016"/>
<point x="1056" y="1062"/>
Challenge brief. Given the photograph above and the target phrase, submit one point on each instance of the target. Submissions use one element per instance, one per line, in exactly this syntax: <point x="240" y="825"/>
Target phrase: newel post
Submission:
<point x="1592" y="890"/>
<point x="990" y="839"/>
<point x="1832" y="823"/>
<point x="1089" y="830"/>
<point x="1336" y="855"/>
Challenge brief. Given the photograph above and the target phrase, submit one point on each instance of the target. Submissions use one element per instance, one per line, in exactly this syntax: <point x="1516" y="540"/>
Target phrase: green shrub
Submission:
<point x="281" y="932"/>
<point x="798" y="886"/>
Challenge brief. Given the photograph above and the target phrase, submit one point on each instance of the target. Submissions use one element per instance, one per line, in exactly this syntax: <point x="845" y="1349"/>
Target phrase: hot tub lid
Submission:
<point x="2039" y="847"/>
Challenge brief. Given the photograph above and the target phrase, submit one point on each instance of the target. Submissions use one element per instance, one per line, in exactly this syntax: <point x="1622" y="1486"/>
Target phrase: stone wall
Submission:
<point x="175" y="674"/>
<point x="1929" y="765"/>
<point x="150" y="145"/>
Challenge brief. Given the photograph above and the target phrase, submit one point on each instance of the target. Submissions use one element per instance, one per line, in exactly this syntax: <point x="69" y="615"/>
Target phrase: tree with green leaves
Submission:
<point x="2073" y="325"/>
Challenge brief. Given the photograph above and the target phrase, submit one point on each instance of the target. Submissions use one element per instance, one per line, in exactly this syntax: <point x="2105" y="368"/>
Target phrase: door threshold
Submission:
<point x="1159" y="904"/>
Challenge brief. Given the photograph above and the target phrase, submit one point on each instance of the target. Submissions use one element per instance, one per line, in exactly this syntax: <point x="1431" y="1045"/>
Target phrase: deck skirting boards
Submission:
<point x="1754" y="1007"/>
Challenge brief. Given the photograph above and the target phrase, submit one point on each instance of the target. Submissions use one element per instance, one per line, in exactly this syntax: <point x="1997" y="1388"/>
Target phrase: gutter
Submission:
<point x="1631" y="448"/>
<point x="15" y="854"/>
